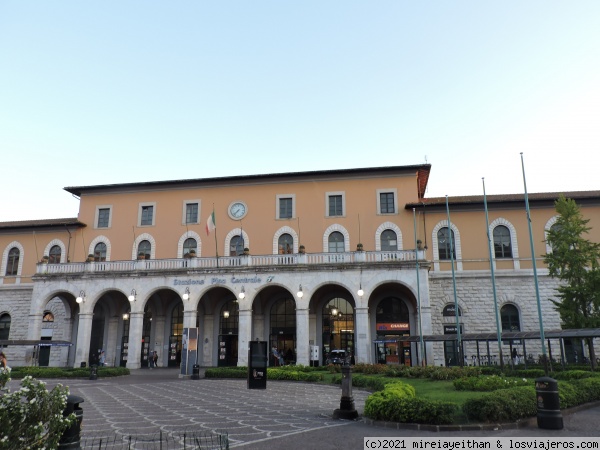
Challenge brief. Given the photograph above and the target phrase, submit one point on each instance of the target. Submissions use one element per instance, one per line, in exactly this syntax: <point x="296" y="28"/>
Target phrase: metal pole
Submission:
<point x="458" y="334"/>
<point x="420" y="360"/>
<point x="487" y="230"/>
<point x="535" y="278"/>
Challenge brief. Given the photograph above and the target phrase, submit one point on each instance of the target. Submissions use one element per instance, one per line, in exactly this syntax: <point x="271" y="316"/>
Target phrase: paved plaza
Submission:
<point x="287" y="415"/>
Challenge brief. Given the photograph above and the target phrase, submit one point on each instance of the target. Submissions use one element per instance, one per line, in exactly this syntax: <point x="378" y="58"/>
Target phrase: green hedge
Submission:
<point x="226" y="372"/>
<point x="506" y="405"/>
<point x="279" y="373"/>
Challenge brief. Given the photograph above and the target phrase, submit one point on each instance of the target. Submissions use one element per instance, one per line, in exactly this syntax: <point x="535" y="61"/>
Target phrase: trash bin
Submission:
<point x="195" y="372"/>
<point x="83" y="364"/>
<point x="93" y="372"/>
<point x="549" y="416"/>
<point x="71" y="438"/>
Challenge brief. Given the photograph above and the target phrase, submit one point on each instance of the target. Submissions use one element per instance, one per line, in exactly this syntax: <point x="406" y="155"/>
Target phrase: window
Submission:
<point x="236" y="246"/>
<point x="509" y="316"/>
<point x="386" y="203"/>
<point x="444" y="244"/>
<point x="285" y="244"/>
<point x="336" y="242"/>
<point x="144" y="249"/>
<point x="188" y="245"/>
<point x="389" y="241"/>
<point x="336" y="205"/>
<point x="12" y="264"/>
<point x="146" y="214"/>
<point x="191" y="213"/>
<point x="48" y="317"/>
<point x="4" y="326"/>
<point x="502" y="244"/>
<point x="103" y="217"/>
<point x="54" y="255"/>
<point x="100" y="252"/>
<point x="285" y="208"/>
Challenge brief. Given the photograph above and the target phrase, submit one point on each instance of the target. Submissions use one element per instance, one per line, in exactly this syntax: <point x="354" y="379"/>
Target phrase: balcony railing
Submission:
<point x="229" y="262"/>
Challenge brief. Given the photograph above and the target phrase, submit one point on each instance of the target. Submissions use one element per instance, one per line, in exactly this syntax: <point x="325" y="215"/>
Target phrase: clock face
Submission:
<point x="237" y="210"/>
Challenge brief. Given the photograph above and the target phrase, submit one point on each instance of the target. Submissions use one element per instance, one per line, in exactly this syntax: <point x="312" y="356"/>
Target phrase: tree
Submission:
<point x="576" y="262"/>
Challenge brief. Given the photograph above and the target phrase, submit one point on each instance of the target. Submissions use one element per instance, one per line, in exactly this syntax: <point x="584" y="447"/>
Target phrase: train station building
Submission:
<point x="350" y="259"/>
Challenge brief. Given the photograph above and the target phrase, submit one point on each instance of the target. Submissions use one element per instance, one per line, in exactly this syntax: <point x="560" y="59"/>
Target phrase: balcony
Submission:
<point x="230" y="262"/>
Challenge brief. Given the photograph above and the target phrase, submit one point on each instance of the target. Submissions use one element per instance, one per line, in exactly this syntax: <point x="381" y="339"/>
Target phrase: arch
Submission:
<point x="388" y="226"/>
<point x="510" y="317"/>
<point x="5" y="322"/>
<point x="339" y="228"/>
<point x="231" y="234"/>
<point x="189" y="234"/>
<point x="549" y="225"/>
<point x="105" y="241"/>
<point x="513" y="238"/>
<point x="7" y="249"/>
<point x="457" y="245"/>
<point x="142" y="237"/>
<point x="63" y="249"/>
<point x="277" y="235"/>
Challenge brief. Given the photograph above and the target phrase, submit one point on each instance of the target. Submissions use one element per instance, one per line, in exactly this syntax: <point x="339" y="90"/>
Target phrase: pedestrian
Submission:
<point x="102" y="358"/>
<point x="515" y="356"/>
<point x="4" y="367"/>
<point x="155" y="359"/>
<point x="275" y="355"/>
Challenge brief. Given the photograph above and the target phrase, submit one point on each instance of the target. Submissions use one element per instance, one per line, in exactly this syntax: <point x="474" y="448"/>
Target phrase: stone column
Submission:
<point x="363" y="341"/>
<point x="84" y="334"/>
<point x="208" y="347"/>
<point x="34" y="330"/>
<point x="159" y="338"/>
<point x="244" y="336"/>
<point x="302" y="347"/>
<point x="136" y="326"/>
<point x="111" y="344"/>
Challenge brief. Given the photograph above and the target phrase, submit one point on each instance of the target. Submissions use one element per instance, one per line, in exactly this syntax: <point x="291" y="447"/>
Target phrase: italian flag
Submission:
<point x="211" y="223"/>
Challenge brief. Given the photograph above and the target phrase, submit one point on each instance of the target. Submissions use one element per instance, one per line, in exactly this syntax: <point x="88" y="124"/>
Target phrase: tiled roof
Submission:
<point x="42" y="223"/>
<point x="422" y="170"/>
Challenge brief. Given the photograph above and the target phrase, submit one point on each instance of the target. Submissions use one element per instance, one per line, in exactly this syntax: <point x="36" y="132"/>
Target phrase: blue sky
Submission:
<point x="116" y="92"/>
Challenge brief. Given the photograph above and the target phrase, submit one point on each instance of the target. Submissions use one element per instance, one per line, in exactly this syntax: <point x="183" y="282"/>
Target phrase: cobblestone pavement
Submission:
<point x="149" y="401"/>
<point x="287" y="415"/>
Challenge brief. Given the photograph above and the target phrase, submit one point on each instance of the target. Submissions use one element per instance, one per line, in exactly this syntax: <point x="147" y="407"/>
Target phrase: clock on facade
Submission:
<point x="237" y="210"/>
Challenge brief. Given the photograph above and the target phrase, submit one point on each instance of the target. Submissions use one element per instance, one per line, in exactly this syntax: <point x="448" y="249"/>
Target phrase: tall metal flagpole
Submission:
<point x="458" y="333"/>
<point x="487" y="230"/>
<point x="535" y="278"/>
<point x="421" y="359"/>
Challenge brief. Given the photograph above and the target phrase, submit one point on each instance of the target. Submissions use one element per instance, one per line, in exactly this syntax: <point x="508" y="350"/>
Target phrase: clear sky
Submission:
<point x="129" y="91"/>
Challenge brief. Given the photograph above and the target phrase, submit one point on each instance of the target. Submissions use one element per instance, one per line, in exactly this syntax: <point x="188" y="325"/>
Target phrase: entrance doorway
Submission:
<point x="228" y="333"/>
<point x="283" y="331"/>
<point x="392" y="321"/>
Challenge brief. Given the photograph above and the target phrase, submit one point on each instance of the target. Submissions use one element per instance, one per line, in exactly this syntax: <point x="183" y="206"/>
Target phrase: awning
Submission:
<point x="505" y="335"/>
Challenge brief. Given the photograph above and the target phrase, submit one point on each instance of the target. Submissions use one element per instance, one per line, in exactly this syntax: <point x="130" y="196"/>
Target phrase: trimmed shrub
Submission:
<point x="371" y="369"/>
<point x="505" y="405"/>
<point x="62" y="372"/>
<point x="589" y="388"/>
<point x="289" y="375"/>
<point x="530" y="373"/>
<point x="226" y="372"/>
<point x="572" y="375"/>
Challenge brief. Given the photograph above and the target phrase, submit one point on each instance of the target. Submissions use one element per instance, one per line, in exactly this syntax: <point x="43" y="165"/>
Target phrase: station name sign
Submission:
<point x="220" y="281"/>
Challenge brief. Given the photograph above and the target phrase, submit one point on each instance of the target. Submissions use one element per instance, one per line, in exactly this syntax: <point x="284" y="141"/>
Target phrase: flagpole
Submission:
<point x="420" y="359"/>
<point x="487" y="228"/>
<point x="535" y="278"/>
<point x="458" y="334"/>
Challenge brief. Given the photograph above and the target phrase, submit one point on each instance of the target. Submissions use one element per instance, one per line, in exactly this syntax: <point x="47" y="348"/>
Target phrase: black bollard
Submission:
<point x="94" y="372"/>
<point x="347" y="409"/>
<point x="71" y="438"/>
<point x="195" y="372"/>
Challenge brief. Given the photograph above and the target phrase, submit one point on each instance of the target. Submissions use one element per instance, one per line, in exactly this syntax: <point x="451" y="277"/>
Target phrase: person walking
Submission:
<point x="155" y="359"/>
